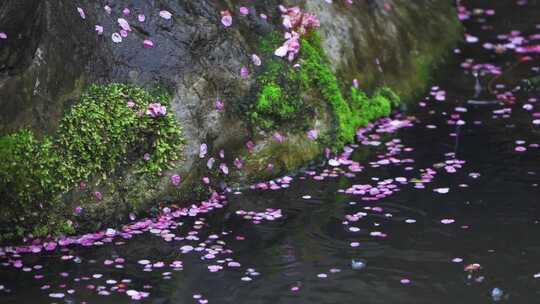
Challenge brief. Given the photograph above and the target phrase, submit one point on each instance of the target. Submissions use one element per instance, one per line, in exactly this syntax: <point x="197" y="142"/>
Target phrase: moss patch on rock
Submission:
<point x="280" y="87"/>
<point x="107" y="131"/>
<point x="281" y="84"/>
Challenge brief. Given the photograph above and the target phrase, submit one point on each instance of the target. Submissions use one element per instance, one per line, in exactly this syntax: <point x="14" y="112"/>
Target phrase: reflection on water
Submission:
<point x="443" y="210"/>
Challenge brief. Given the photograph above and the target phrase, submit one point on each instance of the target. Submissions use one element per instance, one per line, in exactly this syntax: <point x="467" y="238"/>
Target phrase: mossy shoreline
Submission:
<point x="109" y="129"/>
<point x="109" y="142"/>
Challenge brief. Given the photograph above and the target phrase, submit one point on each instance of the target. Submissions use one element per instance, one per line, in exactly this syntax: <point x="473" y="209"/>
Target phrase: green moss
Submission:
<point x="280" y="86"/>
<point x="96" y="139"/>
<point x="268" y="98"/>
<point x="356" y="112"/>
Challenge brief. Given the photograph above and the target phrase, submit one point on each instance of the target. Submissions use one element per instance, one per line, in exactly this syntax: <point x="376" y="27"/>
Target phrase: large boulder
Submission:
<point x="53" y="52"/>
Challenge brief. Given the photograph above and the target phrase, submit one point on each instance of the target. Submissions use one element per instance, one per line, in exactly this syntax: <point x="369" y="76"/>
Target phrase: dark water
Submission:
<point x="491" y="211"/>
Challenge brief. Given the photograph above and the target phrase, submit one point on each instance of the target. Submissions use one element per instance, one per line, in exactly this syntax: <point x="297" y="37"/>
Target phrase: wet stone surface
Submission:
<point x="201" y="53"/>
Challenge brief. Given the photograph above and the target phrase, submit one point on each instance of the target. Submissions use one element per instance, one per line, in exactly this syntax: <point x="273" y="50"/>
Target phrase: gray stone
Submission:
<point x="52" y="54"/>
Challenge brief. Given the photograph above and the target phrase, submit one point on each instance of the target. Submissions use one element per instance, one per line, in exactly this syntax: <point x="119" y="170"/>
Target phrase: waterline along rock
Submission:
<point x="262" y="89"/>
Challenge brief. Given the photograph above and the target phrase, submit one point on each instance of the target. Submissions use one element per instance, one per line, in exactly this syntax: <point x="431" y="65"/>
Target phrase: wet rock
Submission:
<point x="52" y="54"/>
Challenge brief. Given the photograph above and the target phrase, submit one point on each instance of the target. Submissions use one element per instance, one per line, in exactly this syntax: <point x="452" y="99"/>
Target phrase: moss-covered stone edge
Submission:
<point x="109" y="130"/>
<point x="281" y="85"/>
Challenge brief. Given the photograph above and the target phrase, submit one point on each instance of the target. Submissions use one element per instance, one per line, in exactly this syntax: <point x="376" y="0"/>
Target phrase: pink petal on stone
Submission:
<point x="238" y="163"/>
<point x="226" y="20"/>
<point x="81" y="13"/>
<point x="244" y="72"/>
<point x="99" y="29"/>
<point x="250" y="146"/>
<point x="313" y="134"/>
<point x="203" y="150"/>
<point x="278" y="137"/>
<point x="210" y="163"/>
<point x="116" y="38"/>
<point x="124" y="24"/>
<point x="175" y="180"/>
<point x="141" y="18"/>
<point x="165" y="15"/>
<point x="98" y="195"/>
<point x="148" y="44"/>
<point x="256" y="60"/>
<point x="3" y="35"/>
<point x="219" y="105"/>
<point x="224" y="169"/>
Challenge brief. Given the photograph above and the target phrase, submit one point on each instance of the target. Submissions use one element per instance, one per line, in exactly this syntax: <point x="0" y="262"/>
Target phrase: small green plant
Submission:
<point x="112" y="127"/>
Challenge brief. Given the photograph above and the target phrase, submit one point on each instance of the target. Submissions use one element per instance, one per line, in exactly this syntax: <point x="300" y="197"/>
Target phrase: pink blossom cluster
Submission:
<point x="291" y="47"/>
<point x="298" y="23"/>
<point x="156" y="110"/>
<point x="296" y="20"/>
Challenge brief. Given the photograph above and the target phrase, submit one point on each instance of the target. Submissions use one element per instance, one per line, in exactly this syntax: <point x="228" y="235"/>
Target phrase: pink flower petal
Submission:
<point x="165" y="15"/>
<point x="313" y="134"/>
<point x="124" y="24"/>
<point x="281" y="51"/>
<point x="224" y="168"/>
<point x="226" y="18"/>
<point x="203" y="150"/>
<point x="81" y="13"/>
<point x="244" y="72"/>
<point x="148" y="44"/>
<point x="278" y="137"/>
<point x="219" y="105"/>
<point x="99" y="29"/>
<point x="256" y="60"/>
<point x="238" y="163"/>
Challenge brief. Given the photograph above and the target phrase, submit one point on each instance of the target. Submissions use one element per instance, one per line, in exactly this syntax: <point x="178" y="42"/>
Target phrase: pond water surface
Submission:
<point x="437" y="205"/>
